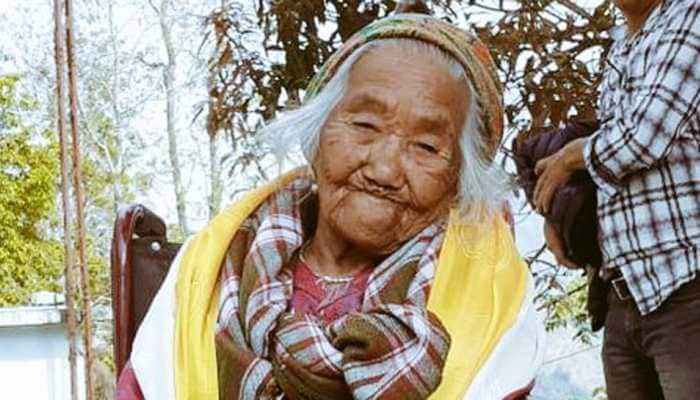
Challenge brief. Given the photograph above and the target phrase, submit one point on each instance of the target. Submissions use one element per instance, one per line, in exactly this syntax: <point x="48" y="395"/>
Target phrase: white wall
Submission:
<point x="34" y="361"/>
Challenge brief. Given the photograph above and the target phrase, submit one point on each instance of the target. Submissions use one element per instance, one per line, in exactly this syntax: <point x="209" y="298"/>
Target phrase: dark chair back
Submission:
<point x="140" y="259"/>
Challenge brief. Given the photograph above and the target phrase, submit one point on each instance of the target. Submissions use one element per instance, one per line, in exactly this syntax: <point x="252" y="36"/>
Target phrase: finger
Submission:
<point x="562" y="259"/>
<point x="547" y="194"/>
<point x="568" y="263"/>
<point x="540" y="166"/>
<point x="549" y="188"/>
<point x="538" y="190"/>
<point x="542" y="185"/>
<point x="555" y="248"/>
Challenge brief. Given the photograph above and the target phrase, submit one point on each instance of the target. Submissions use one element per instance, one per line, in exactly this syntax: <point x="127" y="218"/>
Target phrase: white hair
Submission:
<point x="482" y="184"/>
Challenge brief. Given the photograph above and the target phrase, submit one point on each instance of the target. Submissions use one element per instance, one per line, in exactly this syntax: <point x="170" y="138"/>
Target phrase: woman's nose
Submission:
<point x="384" y="167"/>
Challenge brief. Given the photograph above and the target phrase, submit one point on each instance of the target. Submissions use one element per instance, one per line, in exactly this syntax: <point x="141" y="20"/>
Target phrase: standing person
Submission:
<point x="645" y="161"/>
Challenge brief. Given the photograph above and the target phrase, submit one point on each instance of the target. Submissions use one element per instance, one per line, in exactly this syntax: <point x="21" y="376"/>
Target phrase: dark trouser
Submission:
<point x="656" y="356"/>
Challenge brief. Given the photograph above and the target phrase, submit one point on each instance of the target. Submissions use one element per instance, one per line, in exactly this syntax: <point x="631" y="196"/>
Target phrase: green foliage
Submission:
<point x="29" y="259"/>
<point x="566" y="306"/>
<point x="600" y="394"/>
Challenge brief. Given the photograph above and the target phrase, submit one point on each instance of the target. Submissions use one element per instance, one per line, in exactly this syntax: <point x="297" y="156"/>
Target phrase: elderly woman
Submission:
<point x="380" y="271"/>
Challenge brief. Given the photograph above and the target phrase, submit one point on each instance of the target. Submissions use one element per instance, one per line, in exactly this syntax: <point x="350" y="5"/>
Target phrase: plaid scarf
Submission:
<point x="392" y="349"/>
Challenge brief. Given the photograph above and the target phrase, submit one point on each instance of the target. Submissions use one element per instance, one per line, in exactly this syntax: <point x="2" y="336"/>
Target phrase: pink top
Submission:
<point x="327" y="297"/>
<point x="128" y="387"/>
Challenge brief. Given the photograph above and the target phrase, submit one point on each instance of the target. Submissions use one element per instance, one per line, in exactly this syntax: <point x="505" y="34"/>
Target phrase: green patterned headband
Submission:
<point x="465" y="47"/>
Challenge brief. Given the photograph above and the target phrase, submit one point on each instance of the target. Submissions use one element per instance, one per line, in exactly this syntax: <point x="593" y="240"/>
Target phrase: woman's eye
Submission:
<point x="365" y="125"/>
<point x="427" y="147"/>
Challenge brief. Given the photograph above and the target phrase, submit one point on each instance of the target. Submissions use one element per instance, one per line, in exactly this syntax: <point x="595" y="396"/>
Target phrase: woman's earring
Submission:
<point x="312" y="175"/>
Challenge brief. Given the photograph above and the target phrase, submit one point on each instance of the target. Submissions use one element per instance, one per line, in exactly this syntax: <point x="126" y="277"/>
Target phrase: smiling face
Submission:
<point x="388" y="159"/>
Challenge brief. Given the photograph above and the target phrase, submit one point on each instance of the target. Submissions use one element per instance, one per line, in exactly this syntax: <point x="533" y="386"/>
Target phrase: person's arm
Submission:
<point x="664" y="105"/>
<point x="555" y="170"/>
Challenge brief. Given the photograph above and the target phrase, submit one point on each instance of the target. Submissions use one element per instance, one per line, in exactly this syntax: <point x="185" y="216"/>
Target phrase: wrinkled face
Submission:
<point x="388" y="160"/>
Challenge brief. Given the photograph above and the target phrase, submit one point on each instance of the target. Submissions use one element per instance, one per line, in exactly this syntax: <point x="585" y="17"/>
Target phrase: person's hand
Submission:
<point x="554" y="171"/>
<point x="555" y="244"/>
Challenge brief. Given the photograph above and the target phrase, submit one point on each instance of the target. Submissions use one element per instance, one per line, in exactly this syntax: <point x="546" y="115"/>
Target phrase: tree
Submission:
<point x="550" y="55"/>
<point x="165" y="21"/>
<point x="31" y="253"/>
<point x="30" y="260"/>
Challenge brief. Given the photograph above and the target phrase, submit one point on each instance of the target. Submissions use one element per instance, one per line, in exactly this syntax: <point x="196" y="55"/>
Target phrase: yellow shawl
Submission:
<point x="479" y="287"/>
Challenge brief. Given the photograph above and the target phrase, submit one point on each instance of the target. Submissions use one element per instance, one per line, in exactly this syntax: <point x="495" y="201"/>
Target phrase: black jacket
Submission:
<point x="573" y="209"/>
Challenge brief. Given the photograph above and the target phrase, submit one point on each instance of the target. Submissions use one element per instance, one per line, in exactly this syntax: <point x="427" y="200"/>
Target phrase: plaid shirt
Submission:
<point x="645" y="158"/>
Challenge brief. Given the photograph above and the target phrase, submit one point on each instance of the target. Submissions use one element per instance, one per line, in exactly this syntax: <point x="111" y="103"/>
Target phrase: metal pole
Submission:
<point x="86" y="309"/>
<point x="67" y="238"/>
